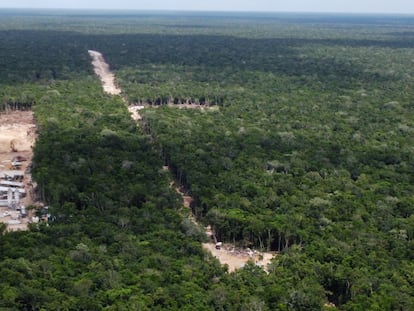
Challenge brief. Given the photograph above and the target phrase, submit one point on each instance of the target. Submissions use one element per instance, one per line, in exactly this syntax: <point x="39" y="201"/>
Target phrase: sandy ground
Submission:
<point x="103" y="72"/>
<point x="17" y="128"/>
<point x="107" y="78"/>
<point x="187" y="200"/>
<point x="134" y="110"/>
<point x="17" y="136"/>
<point x="185" y="106"/>
<point x="12" y="220"/>
<point x="234" y="258"/>
<point x="193" y="106"/>
<point x="227" y="254"/>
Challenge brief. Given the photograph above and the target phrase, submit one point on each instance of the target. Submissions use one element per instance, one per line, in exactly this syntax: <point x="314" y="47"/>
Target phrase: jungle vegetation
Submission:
<point x="309" y="153"/>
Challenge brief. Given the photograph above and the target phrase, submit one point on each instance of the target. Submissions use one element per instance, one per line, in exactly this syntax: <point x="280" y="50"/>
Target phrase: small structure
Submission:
<point x="13" y="184"/>
<point x="11" y="188"/>
<point x="19" y="158"/>
<point x="16" y="165"/>
<point x="23" y="211"/>
<point x="13" y="175"/>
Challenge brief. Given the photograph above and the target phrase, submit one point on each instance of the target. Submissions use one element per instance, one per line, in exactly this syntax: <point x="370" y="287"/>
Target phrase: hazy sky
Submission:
<point x="362" y="6"/>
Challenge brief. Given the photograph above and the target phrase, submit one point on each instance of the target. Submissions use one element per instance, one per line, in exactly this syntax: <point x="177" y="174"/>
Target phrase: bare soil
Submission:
<point x="187" y="200"/>
<point x="134" y="110"/>
<point x="193" y="106"/>
<point x="107" y="78"/>
<point x="237" y="258"/>
<point x="17" y="137"/>
<point x="104" y="73"/>
<point x="181" y="106"/>
<point x="17" y="130"/>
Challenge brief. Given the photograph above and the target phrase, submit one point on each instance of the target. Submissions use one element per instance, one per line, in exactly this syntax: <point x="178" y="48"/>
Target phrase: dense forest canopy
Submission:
<point x="309" y="153"/>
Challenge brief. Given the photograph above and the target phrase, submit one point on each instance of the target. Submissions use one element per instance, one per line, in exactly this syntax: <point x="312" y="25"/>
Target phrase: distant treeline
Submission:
<point x="15" y="105"/>
<point x="202" y="101"/>
<point x="309" y="155"/>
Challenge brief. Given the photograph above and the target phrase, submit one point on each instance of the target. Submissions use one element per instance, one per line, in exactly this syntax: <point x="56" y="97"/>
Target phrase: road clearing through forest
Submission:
<point x="102" y="70"/>
<point x="227" y="254"/>
<point x="104" y="73"/>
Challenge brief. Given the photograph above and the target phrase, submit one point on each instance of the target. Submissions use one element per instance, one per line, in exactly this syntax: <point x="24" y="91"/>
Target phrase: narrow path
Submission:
<point x="104" y="73"/>
<point x="107" y="78"/>
<point x="229" y="255"/>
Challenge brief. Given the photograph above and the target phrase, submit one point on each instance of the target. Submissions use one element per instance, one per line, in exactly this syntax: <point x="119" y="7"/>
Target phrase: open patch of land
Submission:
<point x="234" y="258"/>
<point x="104" y="73"/>
<point x="17" y="137"/>
<point x="227" y="254"/>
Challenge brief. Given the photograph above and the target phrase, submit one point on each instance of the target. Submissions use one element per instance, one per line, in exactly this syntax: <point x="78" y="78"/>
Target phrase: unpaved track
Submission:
<point x="134" y="110"/>
<point x="235" y="259"/>
<point x="107" y="78"/>
<point x="104" y="73"/>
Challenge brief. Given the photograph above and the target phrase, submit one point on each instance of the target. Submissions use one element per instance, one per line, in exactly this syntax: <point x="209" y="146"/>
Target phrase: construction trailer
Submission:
<point x="13" y="196"/>
<point x="23" y="211"/>
<point x="12" y="175"/>
<point x="13" y="184"/>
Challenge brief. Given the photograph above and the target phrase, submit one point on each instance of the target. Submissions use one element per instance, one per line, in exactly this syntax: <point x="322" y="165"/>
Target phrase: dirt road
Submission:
<point x="234" y="258"/>
<point x="107" y="78"/>
<point x="104" y="73"/>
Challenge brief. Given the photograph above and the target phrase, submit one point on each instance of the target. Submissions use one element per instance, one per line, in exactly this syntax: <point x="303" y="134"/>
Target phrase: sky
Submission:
<point x="345" y="6"/>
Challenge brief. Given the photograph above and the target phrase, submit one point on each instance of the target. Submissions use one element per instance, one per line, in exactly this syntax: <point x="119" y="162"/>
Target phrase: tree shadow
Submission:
<point x="32" y="55"/>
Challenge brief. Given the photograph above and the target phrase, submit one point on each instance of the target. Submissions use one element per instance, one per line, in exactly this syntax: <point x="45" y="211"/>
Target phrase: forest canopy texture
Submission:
<point x="304" y="147"/>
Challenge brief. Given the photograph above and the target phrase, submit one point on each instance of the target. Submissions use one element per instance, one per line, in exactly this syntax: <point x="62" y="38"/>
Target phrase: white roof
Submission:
<point x="11" y="183"/>
<point x="6" y="189"/>
<point x="11" y="173"/>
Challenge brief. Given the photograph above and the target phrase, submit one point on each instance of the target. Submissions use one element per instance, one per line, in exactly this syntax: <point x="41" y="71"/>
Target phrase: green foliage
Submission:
<point x="309" y="153"/>
<point x="309" y="150"/>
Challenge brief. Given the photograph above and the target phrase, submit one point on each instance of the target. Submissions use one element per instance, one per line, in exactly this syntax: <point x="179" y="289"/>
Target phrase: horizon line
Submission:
<point x="119" y="10"/>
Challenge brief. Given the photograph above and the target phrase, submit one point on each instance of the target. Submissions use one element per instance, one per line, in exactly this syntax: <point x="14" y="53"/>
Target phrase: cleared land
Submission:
<point x="237" y="258"/>
<point x="104" y="73"/>
<point x="17" y="137"/>
<point x="227" y="255"/>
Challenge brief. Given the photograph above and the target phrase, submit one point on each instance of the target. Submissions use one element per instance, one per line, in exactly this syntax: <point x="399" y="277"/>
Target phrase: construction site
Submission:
<point x="17" y="138"/>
